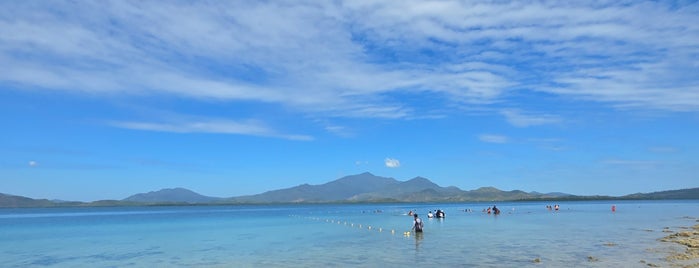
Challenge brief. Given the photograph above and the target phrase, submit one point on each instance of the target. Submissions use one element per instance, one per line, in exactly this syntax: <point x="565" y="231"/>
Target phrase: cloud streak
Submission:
<point x="520" y="119"/>
<point x="211" y="126"/>
<point x="346" y="59"/>
<point x="640" y="164"/>
<point x="493" y="138"/>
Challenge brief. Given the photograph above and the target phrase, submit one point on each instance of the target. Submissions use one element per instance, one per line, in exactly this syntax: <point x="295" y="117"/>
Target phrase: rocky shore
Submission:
<point x="688" y="256"/>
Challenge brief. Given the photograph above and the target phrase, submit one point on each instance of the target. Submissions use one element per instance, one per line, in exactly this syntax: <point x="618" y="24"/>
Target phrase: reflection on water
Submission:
<point x="418" y="239"/>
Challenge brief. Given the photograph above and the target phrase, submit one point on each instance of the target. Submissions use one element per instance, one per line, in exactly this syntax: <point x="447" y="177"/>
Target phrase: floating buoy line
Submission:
<point x="353" y="225"/>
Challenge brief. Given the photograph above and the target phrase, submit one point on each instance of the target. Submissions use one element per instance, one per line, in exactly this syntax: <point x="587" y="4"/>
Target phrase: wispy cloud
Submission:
<point x="521" y="119"/>
<point x="216" y="126"/>
<point x="663" y="149"/>
<point x="391" y="163"/>
<point x="343" y="58"/>
<point x="361" y="163"/>
<point x="493" y="138"/>
<point x="549" y="144"/>
<point x="642" y="164"/>
<point x="340" y="131"/>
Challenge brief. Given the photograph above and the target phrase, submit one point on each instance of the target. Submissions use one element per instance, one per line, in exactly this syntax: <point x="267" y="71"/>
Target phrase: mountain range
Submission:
<point x="365" y="187"/>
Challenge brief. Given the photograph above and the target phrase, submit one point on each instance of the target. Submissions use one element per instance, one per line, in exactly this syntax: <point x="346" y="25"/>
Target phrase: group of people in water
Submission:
<point x="554" y="207"/>
<point x="417" y="222"/>
<point x="494" y="210"/>
<point x="437" y="214"/>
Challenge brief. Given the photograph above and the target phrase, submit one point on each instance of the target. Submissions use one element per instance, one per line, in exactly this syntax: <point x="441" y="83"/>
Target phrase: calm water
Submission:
<point x="330" y="235"/>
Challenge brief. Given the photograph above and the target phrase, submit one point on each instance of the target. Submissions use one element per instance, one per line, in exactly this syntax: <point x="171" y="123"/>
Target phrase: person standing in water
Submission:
<point x="417" y="224"/>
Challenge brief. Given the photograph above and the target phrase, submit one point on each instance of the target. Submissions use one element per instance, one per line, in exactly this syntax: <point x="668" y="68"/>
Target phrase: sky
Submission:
<point x="104" y="99"/>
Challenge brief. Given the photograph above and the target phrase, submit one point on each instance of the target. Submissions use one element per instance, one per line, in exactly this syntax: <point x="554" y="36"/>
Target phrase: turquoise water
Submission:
<point x="330" y="235"/>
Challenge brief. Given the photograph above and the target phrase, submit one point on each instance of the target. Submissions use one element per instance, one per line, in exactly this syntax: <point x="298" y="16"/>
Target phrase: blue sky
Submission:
<point x="103" y="99"/>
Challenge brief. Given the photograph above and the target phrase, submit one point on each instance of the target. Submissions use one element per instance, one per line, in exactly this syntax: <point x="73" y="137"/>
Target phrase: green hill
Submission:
<point x="14" y="201"/>
<point x="692" y="193"/>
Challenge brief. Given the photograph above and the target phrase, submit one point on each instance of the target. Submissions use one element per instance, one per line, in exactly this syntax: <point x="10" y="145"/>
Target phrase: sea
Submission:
<point x="524" y="234"/>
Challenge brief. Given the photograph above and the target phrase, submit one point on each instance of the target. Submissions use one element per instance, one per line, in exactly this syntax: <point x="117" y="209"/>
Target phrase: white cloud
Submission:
<point x="631" y="55"/>
<point x="204" y="125"/>
<point x="344" y="58"/>
<point x="33" y="163"/>
<point x="392" y="163"/>
<point x="520" y="119"/>
<point x="492" y="138"/>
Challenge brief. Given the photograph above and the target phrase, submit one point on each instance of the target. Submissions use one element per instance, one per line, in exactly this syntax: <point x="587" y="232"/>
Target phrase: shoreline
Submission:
<point x="687" y="254"/>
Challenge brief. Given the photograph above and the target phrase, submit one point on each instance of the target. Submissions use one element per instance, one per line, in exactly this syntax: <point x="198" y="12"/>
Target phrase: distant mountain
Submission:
<point x="692" y="193"/>
<point x="418" y="189"/>
<point x="494" y="194"/>
<point x="337" y="190"/>
<point x="174" y="195"/>
<point x="15" y="201"/>
<point x="365" y="187"/>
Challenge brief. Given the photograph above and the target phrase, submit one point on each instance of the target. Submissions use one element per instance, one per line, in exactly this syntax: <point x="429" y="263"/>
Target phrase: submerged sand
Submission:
<point x="688" y="255"/>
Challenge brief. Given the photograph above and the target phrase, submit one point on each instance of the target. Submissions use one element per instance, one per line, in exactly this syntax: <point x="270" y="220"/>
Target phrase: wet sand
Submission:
<point x="688" y="253"/>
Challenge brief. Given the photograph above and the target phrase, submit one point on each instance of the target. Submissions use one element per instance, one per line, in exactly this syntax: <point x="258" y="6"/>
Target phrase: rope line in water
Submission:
<point x="353" y="225"/>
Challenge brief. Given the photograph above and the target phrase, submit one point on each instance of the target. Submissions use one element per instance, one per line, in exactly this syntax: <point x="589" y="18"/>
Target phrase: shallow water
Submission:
<point x="580" y="234"/>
